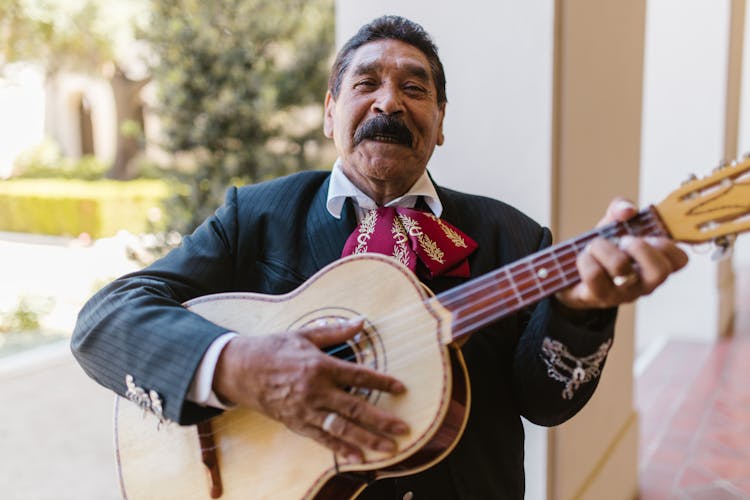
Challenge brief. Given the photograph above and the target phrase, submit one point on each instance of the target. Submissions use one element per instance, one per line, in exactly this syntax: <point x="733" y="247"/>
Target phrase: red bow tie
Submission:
<point x="413" y="236"/>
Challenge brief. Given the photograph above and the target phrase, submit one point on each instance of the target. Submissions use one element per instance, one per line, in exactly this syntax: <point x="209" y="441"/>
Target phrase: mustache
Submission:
<point x="384" y="125"/>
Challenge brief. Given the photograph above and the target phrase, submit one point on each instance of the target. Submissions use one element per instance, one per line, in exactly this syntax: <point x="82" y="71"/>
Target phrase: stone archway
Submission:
<point x="85" y="125"/>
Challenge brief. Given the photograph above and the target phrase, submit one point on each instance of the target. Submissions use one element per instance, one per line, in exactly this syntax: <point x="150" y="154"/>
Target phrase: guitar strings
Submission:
<point x="490" y="281"/>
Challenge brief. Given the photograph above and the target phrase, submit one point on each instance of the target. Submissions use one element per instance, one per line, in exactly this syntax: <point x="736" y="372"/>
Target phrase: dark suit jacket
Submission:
<point x="271" y="237"/>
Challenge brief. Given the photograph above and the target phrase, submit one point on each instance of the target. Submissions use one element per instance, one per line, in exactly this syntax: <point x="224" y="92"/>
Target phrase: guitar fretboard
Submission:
<point x="526" y="281"/>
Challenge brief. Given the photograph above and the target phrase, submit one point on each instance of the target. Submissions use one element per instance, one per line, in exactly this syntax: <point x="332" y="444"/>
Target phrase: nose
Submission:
<point x="388" y="101"/>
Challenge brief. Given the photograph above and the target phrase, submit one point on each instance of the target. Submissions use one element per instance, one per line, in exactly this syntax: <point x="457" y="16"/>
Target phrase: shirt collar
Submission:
<point x="340" y="188"/>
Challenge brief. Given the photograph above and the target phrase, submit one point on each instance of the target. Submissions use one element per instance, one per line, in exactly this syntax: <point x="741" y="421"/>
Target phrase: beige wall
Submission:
<point x="598" y="126"/>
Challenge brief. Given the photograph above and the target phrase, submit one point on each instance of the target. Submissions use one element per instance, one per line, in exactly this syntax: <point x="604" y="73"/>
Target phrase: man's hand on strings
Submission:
<point x="616" y="273"/>
<point x="287" y="377"/>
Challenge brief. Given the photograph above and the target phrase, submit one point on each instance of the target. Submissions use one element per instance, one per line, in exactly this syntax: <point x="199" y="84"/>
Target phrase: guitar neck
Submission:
<point x="524" y="282"/>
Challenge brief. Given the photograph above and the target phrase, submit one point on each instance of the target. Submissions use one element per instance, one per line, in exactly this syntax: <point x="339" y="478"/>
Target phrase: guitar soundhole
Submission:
<point x="364" y="348"/>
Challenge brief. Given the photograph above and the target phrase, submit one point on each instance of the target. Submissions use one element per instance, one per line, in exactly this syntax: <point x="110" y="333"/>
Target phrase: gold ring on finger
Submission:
<point x="624" y="280"/>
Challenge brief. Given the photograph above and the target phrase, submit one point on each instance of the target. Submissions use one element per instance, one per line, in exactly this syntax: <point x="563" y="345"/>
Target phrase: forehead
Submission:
<point x="389" y="55"/>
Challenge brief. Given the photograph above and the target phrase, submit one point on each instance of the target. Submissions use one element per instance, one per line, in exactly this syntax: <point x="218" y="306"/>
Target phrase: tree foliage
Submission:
<point x="41" y="31"/>
<point x="241" y="85"/>
<point x="73" y="35"/>
<point x="85" y="36"/>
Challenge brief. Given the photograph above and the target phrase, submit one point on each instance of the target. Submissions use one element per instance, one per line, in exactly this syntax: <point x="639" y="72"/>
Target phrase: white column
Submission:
<point x="684" y="110"/>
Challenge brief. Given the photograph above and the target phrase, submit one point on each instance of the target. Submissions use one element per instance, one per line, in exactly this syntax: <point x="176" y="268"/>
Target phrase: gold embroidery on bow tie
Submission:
<point x="429" y="246"/>
<point x="366" y="228"/>
<point x="431" y="249"/>
<point x="400" y="250"/>
<point x="449" y="232"/>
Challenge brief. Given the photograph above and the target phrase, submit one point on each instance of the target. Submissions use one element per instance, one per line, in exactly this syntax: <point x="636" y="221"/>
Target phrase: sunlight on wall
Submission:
<point x="22" y="117"/>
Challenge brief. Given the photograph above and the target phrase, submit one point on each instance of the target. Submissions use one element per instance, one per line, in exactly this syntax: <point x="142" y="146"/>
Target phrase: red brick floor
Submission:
<point x="694" y="403"/>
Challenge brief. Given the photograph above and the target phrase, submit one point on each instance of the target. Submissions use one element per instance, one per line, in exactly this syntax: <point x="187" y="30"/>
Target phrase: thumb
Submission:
<point x="333" y="333"/>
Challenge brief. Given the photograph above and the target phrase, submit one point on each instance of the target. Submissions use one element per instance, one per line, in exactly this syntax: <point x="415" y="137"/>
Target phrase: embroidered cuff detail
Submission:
<point x="150" y="400"/>
<point x="570" y="370"/>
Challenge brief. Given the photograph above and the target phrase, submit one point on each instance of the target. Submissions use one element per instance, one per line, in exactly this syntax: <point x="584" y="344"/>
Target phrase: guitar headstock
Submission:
<point x="709" y="208"/>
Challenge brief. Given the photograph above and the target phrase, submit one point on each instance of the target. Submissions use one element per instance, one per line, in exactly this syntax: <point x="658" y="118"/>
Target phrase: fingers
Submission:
<point x="347" y="423"/>
<point x="597" y="265"/>
<point x="348" y="374"/>
<point x="619" y="209"/>
<point x="363" y="414"/>
<point x="350" y="452"/>
<point x="613" y="274"/>
<point x="656" y="259"/>
<point x="676" y="256"/>
<point x="309" y="391"/>
<point x="356" y="436"/>
<point x="357" y="422"/>
<point x="331" y="333"/>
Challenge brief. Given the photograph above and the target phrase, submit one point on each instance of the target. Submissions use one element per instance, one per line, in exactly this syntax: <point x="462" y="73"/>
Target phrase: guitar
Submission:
<point x="241" y="453"/>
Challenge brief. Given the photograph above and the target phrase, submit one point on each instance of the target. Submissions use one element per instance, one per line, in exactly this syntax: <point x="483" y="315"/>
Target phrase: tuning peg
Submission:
<point x="691" y="178"/>
<point x="723" y="164"/>
<point x="723" y="246"/>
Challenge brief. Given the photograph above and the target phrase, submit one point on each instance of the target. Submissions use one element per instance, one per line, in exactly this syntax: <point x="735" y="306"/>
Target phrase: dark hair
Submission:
<point x="385" y="28"/>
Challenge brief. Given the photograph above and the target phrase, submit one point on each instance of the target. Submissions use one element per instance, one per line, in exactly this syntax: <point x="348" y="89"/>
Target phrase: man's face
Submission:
<point x="386" y="120"/>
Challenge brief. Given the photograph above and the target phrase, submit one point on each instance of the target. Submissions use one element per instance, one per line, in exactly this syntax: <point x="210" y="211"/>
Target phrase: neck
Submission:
<point x="494" y="295"/>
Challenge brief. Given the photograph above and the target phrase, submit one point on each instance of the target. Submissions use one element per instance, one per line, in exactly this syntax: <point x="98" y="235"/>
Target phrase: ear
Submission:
<point x="330" y="107"/>
<point x="440" y="135"/>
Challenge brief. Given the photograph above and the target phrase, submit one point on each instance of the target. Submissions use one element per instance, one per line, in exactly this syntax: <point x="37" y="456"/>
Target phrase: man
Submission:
<point x="384" y="110"/>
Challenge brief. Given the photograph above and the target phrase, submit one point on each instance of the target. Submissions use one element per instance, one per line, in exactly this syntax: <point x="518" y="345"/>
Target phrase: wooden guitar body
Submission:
<point x="258" y="457"/>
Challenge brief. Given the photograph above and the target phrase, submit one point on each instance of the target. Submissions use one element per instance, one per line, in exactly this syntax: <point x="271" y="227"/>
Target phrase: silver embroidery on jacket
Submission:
<point x="149" y="401"/>
<point x="570" y="370"/>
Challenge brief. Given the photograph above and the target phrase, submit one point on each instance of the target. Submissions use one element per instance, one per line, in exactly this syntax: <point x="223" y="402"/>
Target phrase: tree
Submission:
<point x="241" y="85"/>
<point x="81" y="36"/>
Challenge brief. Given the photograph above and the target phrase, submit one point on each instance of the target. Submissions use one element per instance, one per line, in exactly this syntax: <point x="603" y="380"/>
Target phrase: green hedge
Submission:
<point x="71" y="207"/>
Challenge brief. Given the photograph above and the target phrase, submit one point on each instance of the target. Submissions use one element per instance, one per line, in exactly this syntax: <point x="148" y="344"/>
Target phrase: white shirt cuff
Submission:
<point x="201" y="390"/>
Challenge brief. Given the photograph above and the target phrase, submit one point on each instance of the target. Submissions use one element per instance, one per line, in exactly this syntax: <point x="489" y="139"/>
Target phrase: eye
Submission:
<point x="415" y="89"/>
<point x="365" y="84"/>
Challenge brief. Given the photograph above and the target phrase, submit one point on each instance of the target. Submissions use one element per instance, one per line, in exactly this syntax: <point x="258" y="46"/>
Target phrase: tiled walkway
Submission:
<point x="694" y="401"/>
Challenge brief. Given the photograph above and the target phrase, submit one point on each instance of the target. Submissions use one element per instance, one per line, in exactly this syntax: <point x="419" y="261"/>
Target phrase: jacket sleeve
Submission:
<point x="135" y="332"/>
<point x="557" y="362"/>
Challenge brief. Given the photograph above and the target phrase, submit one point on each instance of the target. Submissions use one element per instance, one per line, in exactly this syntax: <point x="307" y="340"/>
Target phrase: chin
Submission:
<point x="388" y="169"/>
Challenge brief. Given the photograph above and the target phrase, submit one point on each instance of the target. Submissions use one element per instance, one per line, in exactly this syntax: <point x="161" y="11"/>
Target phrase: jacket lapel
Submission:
<point x="326" y="235"/>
